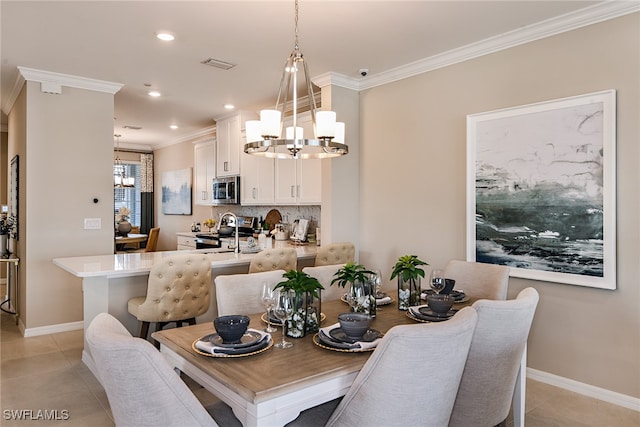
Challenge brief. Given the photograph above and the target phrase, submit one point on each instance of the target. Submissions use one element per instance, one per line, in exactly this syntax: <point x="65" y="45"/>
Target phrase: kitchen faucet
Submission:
<point x="237" y="239"/>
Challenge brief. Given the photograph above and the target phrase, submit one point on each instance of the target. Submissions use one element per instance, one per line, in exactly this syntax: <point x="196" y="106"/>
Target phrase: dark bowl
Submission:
<point x="440" y="303"/>
<point x="231" y="328"/>
<point x="354" y="325"/>
<point x="448" y="287"/>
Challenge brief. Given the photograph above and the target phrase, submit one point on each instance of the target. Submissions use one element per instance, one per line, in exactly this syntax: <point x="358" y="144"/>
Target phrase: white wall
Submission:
<point x="412" y="192"/>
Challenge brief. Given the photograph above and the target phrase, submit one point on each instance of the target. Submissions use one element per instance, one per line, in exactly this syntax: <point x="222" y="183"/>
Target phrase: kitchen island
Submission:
<point x="109" y="281"/>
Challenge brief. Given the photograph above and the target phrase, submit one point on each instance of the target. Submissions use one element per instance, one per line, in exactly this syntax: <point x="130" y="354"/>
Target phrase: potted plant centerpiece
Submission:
<point x="306" y="309"/>
<point x="408" y="271"/>
<point x="7" y="231"/>
<point x="361" y="295"/>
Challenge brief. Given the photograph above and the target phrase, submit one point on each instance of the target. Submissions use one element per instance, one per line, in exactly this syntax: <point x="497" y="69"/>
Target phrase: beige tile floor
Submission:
<point x="46" y="373"/>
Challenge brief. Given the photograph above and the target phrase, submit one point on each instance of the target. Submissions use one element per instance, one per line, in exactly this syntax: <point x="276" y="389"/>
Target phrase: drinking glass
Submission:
<point x="268" y="300"/>
<point x="283" y="310"/>
<point x="376" y="278"/>
<point x="437" y="281"/>
<point x="356" y="296"/>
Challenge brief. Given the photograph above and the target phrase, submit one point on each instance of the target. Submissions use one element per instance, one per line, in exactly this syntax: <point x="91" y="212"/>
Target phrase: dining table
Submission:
<point x="272" y="387"/>
<point x="120" y="241"/>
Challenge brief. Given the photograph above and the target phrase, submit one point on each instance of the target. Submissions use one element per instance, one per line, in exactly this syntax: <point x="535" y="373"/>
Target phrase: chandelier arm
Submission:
<point x="312" y="98"/>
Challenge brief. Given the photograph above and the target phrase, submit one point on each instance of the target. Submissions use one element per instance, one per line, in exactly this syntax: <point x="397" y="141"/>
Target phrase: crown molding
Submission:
<point x="195" y="137"/>
<point x="78" y="82"/>
<point x="13" y="95"/>
<point x="550" y="27"/>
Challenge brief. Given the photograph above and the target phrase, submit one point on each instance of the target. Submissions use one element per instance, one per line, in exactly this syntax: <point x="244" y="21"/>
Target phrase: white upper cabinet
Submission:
<point x="256" y="183"/>
<point x="204" y="171"/>
<point x="229" y="143"/>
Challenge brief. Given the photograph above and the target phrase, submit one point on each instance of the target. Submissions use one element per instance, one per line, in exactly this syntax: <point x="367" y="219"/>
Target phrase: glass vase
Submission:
<point x="408" y="293"/>
<point x="306" y="315"/>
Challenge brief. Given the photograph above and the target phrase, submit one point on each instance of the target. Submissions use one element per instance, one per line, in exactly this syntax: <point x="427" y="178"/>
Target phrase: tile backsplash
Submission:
<point x="289" y="213"/>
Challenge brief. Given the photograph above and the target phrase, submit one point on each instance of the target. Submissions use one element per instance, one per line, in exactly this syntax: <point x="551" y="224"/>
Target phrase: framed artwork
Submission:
<point x="13" y="192"/>
<point x="541" y="194"/>
<point x="176" y="192"/>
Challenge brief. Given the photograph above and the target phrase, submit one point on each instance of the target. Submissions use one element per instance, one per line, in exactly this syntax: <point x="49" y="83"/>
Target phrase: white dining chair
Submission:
<point x="411" y="378"/>
<point x="325" y="274"/>
<point x="241" y="293"/>
<point x="479" y="280"/>
<point x="490" y="373"/>
<point x="142" y="388"/>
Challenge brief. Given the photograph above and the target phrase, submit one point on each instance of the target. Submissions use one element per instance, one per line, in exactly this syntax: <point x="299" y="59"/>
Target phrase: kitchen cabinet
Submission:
<point x="256" y="183"/>
<point x="204" y="172"/>
<point x="229" y="143"/>
<point x="186" y="241"/>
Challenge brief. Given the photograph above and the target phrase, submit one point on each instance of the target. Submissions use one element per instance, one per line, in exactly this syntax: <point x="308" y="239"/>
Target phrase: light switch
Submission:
<point x="92" y="223"/>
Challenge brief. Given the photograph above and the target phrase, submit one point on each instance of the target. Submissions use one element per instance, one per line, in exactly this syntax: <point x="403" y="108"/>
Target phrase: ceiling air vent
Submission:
<point x="217" y="63"/>
<point x="132" y="127"/>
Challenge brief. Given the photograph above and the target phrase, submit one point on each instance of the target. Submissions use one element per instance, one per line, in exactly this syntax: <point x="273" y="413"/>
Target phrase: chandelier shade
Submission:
<point x="265" y="137"/>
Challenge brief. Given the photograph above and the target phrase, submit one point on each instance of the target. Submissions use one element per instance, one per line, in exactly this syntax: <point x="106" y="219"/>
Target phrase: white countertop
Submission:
<point x="134" y="264"/>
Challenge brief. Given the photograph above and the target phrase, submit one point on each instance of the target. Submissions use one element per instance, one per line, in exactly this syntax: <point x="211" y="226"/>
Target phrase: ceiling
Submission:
<point x="115" y="41"/>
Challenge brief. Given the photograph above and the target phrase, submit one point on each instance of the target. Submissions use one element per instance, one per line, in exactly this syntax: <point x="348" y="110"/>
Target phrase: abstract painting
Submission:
<point x="541" y="190"/>
<point x="176" y="192"/>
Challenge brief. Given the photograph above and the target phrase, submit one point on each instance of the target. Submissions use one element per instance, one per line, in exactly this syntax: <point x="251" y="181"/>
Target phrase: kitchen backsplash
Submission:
<point x="289" y="213"/>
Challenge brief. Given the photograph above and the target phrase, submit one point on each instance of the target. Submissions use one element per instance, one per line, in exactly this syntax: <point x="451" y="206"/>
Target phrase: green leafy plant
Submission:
<point x="408" y="268"/>
<point x="350" y="273"/>
<point x="300" y="282"/>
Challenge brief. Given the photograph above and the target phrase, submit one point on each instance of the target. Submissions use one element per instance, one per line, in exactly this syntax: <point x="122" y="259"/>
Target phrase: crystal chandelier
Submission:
<point x="264" y="136"/>
<point x="120" y="179"/>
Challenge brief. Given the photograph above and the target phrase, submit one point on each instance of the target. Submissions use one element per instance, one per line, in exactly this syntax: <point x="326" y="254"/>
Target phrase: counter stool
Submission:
<point x="274" y="259"/>
<point x="335" y="253"/>
<point x="178" y="290"/>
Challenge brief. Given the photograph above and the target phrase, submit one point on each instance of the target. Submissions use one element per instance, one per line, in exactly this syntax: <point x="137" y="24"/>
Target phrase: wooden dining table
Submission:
<point x="130" y="238"/>
<point x="272" y="388"/>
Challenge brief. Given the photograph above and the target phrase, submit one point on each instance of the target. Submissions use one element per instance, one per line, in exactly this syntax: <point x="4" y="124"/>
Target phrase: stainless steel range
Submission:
<point x="215" y="241"/>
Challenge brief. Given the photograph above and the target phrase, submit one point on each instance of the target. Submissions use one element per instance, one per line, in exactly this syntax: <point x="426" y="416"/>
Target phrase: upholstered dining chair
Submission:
<point x="489" y="377"/>
<point x="274" y="259"/>
<point x="335" y="253"/>
<point x="241" y="293"/>
<point x="325" y="274"/>
<point x="479" y="280"/>
<point x="178" y="290"/>
<point x="142" y="388"/>
<point x="404" y="382"/>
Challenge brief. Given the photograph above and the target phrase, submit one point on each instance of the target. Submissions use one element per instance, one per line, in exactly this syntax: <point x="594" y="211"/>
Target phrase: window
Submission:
<point x="129" y="197"/>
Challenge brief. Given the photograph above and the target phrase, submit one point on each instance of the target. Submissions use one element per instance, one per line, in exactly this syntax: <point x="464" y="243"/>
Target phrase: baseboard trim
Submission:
<point x="585" y="389"/>
<point x="52" y="329"/>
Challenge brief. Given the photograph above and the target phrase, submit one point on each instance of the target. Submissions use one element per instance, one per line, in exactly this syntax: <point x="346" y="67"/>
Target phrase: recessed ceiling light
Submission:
<point x="229" y="106"/>
<point x="174" y="127"/>
<point x="154" y="93"/>
<point x="165" y="37"/>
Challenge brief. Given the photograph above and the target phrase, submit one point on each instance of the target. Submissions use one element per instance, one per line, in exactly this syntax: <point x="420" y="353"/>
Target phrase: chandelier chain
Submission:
<point x="296" y="24"/>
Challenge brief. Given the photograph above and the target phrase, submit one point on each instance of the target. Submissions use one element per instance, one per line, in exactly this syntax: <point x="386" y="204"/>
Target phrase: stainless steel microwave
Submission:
<point x="226" y="190"/>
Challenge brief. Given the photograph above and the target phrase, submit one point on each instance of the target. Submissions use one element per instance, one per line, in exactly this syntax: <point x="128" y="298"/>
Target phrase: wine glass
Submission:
<point x="268" y="300"/>
<point x="437" y="280"/>
<point x="376" y="279"/>
<point x="283" y="310"/>
<point x="356" y="296"/>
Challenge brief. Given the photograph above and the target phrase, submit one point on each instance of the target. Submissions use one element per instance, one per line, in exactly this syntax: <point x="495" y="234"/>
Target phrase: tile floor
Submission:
<point x="46" y="373"/>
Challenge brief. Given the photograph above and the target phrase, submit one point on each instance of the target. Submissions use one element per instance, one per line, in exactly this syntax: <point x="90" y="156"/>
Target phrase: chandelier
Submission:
<point x="120" y="179"/>
<point x="264" y="136"/>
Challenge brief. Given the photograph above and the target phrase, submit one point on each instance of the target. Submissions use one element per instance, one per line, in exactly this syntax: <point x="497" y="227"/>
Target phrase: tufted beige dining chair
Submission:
<point x="479" y="280"/>
<point x="490" y="373"/>
<point x="335" y="253"/>
<point x="241" y="293"/>
<point x="178" y="290"/>
<point x="325" y="274"/>
<point x="274" y="259"/>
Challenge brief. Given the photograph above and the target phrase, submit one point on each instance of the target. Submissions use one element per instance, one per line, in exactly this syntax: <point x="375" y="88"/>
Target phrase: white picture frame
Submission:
<point x="541" y="189"/>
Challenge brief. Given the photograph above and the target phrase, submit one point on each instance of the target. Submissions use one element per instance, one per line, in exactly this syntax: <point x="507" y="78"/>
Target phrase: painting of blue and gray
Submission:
<point x="539" y="190"/>
<point x="176" y="192"/>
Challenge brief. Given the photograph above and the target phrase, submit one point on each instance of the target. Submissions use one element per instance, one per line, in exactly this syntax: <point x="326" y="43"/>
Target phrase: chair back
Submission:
<point x="142" y="388"/>
<point x="241" y="293"/>
<point x="179" y="287"/>
<point x="335" y="253"/>
<point x="274" y="259"/>
<point x="412" y="378"/>
<point x="152" y="241"/>
<point x="479" y="280"/>
<point x="325" y="274"/>
<point x="489" y="377"/>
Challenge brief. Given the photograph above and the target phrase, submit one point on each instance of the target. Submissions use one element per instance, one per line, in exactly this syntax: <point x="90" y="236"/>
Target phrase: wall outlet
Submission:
<point x="92" y="223"/>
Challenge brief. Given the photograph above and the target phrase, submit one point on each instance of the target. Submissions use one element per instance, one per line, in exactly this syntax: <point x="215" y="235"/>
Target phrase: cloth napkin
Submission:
<point x="384" y="300"/>
<point x="208" y="347"/>
<point x="358" y="344"/>
<point x="415" y="310"/>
